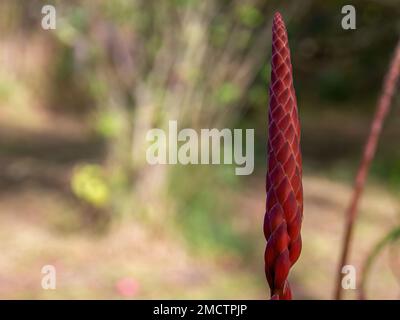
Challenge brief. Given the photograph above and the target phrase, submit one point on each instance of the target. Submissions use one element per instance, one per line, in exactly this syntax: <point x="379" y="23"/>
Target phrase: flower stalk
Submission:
<point x="383" y="106"/>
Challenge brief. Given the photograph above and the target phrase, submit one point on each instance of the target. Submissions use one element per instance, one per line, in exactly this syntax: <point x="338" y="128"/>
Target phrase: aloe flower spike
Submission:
<point x="284" y="205"/>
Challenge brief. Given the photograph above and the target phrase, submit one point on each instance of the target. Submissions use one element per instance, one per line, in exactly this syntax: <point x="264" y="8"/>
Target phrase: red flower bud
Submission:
<point x="284" y="205"/>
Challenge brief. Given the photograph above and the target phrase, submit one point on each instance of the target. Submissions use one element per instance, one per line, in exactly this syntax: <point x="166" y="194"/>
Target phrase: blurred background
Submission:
<point x="77" y="193"/>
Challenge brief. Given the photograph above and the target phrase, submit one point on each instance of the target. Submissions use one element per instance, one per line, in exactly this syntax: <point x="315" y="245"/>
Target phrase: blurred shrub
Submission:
<point x="108" y="124"/>
<point x="89" y="184"/>
<point x="227" y="93"/>
<point x="334" y="86"/>
<point x="249" y="15"/>
<point x="387" y="170"/>
<point x="204" y="216"/>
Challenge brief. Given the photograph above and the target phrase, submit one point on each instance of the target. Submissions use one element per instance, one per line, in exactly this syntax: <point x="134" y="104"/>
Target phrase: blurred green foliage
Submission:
<point x="227" y="93"/>
<point x="89" y="183"/>
<point x="391" y="237"/>
<point x="203" y="216"/>
<point x="388" y="171"/>
<point x="249" y="15"/>
<point x="108" y="124"/>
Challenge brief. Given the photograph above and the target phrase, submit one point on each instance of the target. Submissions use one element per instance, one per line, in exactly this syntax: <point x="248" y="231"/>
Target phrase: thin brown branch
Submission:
<point x="383" y="106"/>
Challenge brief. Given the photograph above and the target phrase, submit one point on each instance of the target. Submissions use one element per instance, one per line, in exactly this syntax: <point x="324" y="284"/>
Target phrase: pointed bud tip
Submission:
<point x="277" y="16"/>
